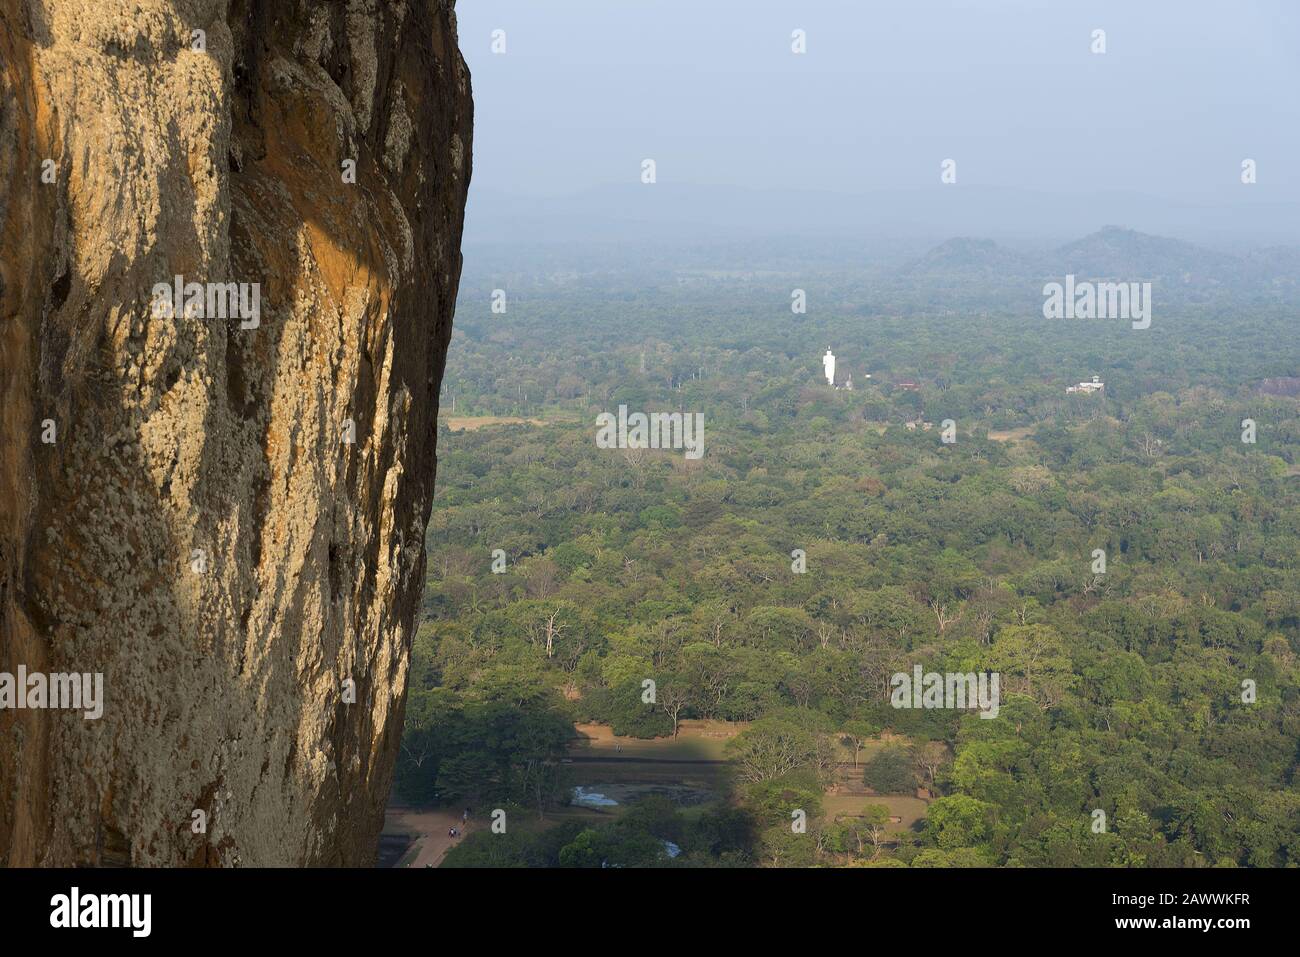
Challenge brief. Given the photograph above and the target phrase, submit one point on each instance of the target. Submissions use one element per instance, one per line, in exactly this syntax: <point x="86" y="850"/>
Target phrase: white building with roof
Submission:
<point x="1086" y="388"/>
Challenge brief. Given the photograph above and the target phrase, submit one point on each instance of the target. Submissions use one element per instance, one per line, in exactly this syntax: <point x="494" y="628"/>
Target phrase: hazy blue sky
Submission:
<point x="711" y="91"/>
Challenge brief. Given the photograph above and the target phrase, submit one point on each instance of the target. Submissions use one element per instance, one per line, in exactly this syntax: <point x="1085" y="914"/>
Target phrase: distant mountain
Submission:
<point x="966" y="259"/>
<point x="691" y="212"/>
<point x="1277" y="266"/>
<point x="1112" y="253"/>
<point x="1125" y="254"/>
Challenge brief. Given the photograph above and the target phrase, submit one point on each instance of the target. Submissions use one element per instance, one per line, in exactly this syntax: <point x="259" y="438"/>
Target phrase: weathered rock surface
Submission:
<point x="200" y="531"/>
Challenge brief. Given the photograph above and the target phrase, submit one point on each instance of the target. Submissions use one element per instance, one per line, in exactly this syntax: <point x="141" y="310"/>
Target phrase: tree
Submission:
<point x="857" y="733"/>
<point x="930" y="756"/>
<point x="674" y="695"/>
<point x="770" y="748"/>
<point x="959" y="821"/>
<point x="1036" y="656"/>
<point x="875" y="824"/>
<point x="889" y="771"/>
<point x="781" y="847"/>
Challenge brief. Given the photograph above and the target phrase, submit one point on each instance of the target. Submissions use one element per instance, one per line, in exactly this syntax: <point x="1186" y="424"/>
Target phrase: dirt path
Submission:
<point x="430" y="828"/>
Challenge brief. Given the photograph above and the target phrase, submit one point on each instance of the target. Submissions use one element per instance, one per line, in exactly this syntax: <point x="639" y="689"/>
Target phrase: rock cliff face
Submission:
<point x="223" y="516"/>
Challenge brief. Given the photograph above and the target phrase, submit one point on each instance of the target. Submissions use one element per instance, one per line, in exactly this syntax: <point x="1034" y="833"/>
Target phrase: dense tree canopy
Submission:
<point x="1160" y="691"/>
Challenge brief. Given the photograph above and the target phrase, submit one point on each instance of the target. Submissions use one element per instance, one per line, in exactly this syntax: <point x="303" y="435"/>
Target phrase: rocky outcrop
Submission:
<point x="222" y="516"/>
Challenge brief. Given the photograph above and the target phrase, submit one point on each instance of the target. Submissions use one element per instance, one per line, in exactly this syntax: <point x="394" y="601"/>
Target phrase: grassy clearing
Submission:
<point x="909" y="810"/>
<point x="695" y="741"/>
<point x="1010" y="435"/>
<point x="468" y="423"/>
